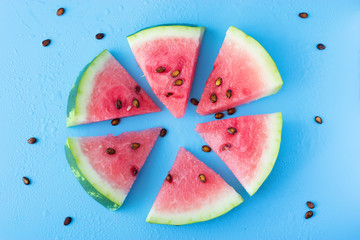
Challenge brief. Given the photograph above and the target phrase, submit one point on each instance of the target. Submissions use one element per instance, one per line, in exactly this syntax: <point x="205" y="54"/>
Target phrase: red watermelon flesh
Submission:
<point x="247" y="73"/>
<point x="103" y="83"/>
<point x="170" y="49"/>
<point x="112" y="175"/>
<point x="184" y="198"/>
<point x="251" y="152"/>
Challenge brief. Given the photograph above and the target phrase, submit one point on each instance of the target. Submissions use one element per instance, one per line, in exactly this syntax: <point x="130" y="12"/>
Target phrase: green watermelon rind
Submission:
<point x="270" y="157"/>
<point x="80" y="93"/>
<point x="73" y="157"/>
<point x="163" y="31"/>
<point x="208" y="212"/>
<point x="275" y="80"/>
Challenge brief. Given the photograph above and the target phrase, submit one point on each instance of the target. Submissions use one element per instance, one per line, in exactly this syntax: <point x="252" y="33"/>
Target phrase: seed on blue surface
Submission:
<point x="99" y="36"/>
<point x="32" y="140"/>
<point x="46" y="42"/>
<point x="309" y="214"/>
<point x="115" y="121"/>
<point x="318" y="120"/>
<point x="60" y="11"/>
<point x="67" y="221"/>
<point x="110" y="151"/>
<point x="168" y="178"/>
<point x="194" y="101"/>
<point x="219" y="115"/>
<point x="231" y="111"/>
<point x="310" y="205"/>
<point x="206" y="148"/>
<point x="163" y="132"/>
<point x="26" y="180"/>
<point x="320" y="46"/>
<point x="303" y="15"/>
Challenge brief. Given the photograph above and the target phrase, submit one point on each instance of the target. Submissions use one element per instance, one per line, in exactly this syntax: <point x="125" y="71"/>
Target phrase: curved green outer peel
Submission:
<point x="179" y="26"/>
<point x="85" y="183"/>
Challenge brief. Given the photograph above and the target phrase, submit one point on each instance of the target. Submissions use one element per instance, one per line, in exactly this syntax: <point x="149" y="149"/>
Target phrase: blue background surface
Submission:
<point x="316" y="162"/>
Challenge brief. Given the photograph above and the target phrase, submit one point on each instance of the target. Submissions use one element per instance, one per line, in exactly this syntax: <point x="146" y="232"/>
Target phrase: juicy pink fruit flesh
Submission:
<point x="186" y="192"/>
<point x="117" y="169"/>
<point x="240" y="73"/>
<point x="114" y="83"/>
<point x="173" y="54"/>
<point x="247" y="146"/>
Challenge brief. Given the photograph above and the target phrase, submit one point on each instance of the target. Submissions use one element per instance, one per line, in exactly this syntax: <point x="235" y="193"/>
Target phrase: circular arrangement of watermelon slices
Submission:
<point x="107" y="166"/>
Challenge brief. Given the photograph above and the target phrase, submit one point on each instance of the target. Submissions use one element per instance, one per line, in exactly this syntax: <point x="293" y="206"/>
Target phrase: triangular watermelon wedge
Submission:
<point x="107" y="176"/>
<point x="248" y="145"/>
<point x="191" y="193"/>
<point x="167" y="55"/>
<point x="104" y="90"/>
<point x="243" y="72"/>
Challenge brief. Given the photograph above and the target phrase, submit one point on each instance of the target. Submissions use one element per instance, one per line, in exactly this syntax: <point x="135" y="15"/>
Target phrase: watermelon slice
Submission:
<point x="243" y="72"/>
<point x="248" y="145"/>
<point x="191" y="193"/>
<point x="108" y="175"/>
<point x="167" y="56"/>
<point x="104" y="90"/>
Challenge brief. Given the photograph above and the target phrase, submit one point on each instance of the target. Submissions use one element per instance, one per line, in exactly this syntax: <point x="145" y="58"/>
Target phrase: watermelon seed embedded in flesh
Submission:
<point x="160" y="69"/>
<point x="178" y="82"/>
<point x="163" y="132"/>
<point x="309" y="214"/>
<point x="194" y="101"/>
<point x="115" y="121"/>
<point x="219" y="115"/>
<point x="135" y="145"/>
<point x="67" y="221"/>
<point x="136" y="103"/>
<point x="213" y="98"/>
<point x="110" y="151"/>
<point x="202" y="178"/>
<point x="175" y="73"/>
<point x="137" y="88"/>
<point x="310" y="204"/>
<point x="168" y="178"/>
<point x="229" y="93"/>
<point x="232" y="130"/>
<point x="206" y="148"/>
<point x="169" y="94"/>
<point x="231" y="111"/>
<point x="118" y="104"/>
<point x="318" y="120"/>
<point x="26" y="180"/>
<point x="134" y="171"/>
<point x="218" y="81"/>
<point x="226" y="146"/>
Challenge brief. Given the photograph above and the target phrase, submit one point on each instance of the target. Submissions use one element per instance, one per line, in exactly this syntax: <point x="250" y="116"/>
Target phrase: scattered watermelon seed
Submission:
<point x="309" y="214"/>
<point x="303" y="15"/>
<point x="321" y="46"/>
<point x="169" y="94"/>
<point x="175" y="73"/>
<point x="231" y="111"/>
<point x="206" y="148"/>
<point x="202" y="178"/>
<point x="99" y="36"/>
<point x="46" y="42"/>
<point x="229" y="93"/>
<point x="168" y="178"/>
<point x="232" y="130"/>
<point x="310" y="204"/>
<point x="137" y="88"/>
<point x="163" y="132"/>
<point x="219" y="115"/>
<point x="32" y="140"/>
<point x="67" y="221"/>
<point x="135" y="145"/>
<point x="110" y="151"/>
<point x="226" y="146"/>
<point x="118" y="104"/>
<point x="318" y="120"/>
<point x="115" y="121"/>
<point x="194" y="101"/>
<point x="134" y="171"/>
<point x="136" y="103"/>
<point x="160" y="69"/>
<point x="218" y="81"/>
<point x="60" y="11"/>
<point x="178" y="82"/>
<point x="26" y="180"/>
<point x="213" y="98"/>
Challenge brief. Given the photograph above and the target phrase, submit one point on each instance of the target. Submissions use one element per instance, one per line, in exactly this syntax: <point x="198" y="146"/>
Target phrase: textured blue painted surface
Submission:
<point x="316" y="162"/>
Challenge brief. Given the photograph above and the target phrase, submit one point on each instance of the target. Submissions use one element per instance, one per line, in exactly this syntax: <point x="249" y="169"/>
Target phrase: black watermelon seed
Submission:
<point x="110" y="151"/>
<point x="160" y="69"/>
<point x="206" y="148"/>
<point x="137" y="88"/>
<point x="231" y="111"/>
<point x="163" y="132"/>
<point x="99" y="36"/>
<point x="115" y="121"/>
<point x="194" y="101"/>
<point x="318" y="120"/>
<point x="213" y="98"/>
<point x="26" y="180"/>
<point x="303" y="15"/>
<point x="60" y="11"/>
<point x="67" y="221"/>
<point x="232" y="130"/>
<point x="219" y="115"/>
<point x="229" y="93"/>
<point x="168" y="178"/>
<point x="32" y="140"/>
<point x="135" y="145"/>
<point x="46" y="42"/>
<point x="309" y="214"/>
<point x="320" y="46"/>
<point x="202" y="178"/>
<point x="310" y="205"/>
<point x="118" y="104"/>
<point x="136" y="103"/>
<point x="134" y="171"/>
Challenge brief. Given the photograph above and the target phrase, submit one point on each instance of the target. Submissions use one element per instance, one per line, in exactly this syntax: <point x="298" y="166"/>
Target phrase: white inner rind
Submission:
<point x="85" y="89"/>
<point x="163" y="32"/>
<point x="269" y="156"/>
<point x="225" y="201"/>
<point x="267" y="67"/>
<point x="115" y="195"/>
